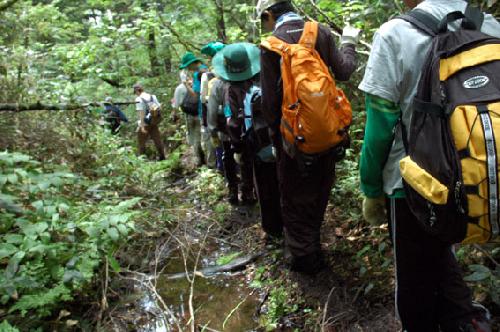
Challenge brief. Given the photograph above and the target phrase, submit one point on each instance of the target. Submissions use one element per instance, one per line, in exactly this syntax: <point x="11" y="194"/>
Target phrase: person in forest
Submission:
<point x="207" y="80"/>
<point x="235" y="57"/>
<point x="182" y="93"/>
<point x="113" y="115"/>
<point x="197" y="68"/>
<point x="430" y="292"/>
<point x="216" y="121"/>
<point x="305" y="188"/>
<point x="146" y="130"/>
<point x="239" y="65"/>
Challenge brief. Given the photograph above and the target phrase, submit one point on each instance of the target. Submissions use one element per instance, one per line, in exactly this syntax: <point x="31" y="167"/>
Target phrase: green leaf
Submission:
<point x="7" y="249"/>
<point x="123" y="229"/>
<point x="114" y="264"/>
<point x="6" y="327"/>
<point x="14" y="238"/>
<point x="35" y="229"/>
<point x="478" y="276"/>
<point x="223" y="260"/>
<point x="12" y="178"/>
<point x="113" y="233"/>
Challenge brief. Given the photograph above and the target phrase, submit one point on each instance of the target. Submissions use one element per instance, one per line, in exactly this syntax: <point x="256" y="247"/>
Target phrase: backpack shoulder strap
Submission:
<point x="474" y="18"/>
<point x="274" y="44"/>
<point x="310" y="34"/>
<point x="423" y="21"/>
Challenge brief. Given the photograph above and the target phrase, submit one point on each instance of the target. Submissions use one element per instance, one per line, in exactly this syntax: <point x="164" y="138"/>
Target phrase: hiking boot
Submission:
<point x="481" y="323"/>
<point x="310" y="264"/>
<point x="476" y="326"/>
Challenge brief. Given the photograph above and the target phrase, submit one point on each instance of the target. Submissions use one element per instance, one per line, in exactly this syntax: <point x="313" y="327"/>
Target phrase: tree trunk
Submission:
<point x="16" y="107"/>
<point x="221" y="25"/>
<point x="153" y="55"/>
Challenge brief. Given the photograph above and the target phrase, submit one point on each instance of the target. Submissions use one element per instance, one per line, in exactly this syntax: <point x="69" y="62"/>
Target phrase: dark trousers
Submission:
<point x="246" y="172"/>
<point x="304" y="198"/>
<point x="230" y="167"/>
<point x="153" y="132"/>
<point x="268" y="193"/>
<point x="430" y="291"/>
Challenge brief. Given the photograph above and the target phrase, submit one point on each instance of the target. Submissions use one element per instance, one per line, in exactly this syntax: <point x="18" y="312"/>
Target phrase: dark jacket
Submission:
<point x="342" y="64"/>
<point x="235" y="98"/>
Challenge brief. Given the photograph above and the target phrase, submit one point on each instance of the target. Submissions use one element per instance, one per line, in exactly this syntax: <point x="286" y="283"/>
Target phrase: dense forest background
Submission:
<point x="84" y="221"/>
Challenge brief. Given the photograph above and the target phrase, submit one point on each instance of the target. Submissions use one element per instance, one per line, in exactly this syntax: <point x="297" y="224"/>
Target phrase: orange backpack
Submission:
<point x="316" y="115"/>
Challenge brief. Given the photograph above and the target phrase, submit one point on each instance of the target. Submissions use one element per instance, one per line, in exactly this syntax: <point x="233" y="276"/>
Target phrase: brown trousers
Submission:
<point x="153" y="132"/>
<point x="304" y="198"/>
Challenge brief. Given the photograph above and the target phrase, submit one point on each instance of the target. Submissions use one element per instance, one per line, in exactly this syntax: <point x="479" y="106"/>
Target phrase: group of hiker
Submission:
<point x="273" y="121"/>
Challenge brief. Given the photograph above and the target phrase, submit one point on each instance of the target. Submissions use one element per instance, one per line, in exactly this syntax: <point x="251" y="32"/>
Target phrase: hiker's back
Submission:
<point x="316" y="114"/>
<point x="406" y="48"/>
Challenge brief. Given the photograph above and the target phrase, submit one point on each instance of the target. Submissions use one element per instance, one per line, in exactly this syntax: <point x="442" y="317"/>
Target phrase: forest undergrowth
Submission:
<point x="91" y="220"/>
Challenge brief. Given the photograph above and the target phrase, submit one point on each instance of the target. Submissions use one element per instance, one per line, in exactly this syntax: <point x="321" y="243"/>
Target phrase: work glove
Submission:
<point x="237" y="158"/>
<point x="183" y="76"/>
<point x="350" y="35"/>
<point x="374" y="210"/>
<point x="215" y="141"/>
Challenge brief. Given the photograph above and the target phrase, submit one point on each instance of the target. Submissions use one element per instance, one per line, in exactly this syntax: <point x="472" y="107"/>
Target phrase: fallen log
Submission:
<point x="236" y="264"/>
<point x="39" y="106"/>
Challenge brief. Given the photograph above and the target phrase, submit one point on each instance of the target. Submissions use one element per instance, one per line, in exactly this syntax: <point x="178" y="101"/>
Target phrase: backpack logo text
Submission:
<point x="476" y="82"/>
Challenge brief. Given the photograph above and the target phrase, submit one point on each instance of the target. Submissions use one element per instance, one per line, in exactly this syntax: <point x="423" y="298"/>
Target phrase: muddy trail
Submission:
<point x="211" y="270"/>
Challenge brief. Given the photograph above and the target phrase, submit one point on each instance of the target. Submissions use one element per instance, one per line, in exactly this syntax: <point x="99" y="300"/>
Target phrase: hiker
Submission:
<point x="197" y="68"/>
<point x="216" y="121"/>
<point x="306" y="178"/>
<point x="207" y="80"/>
<point x="147" y="125"/>
<point x="187" y="101"/>
<point x="113" y="115"/>
<point x="235" y="65"/>
<point x="431" y="294"/>
<point x="240" y="64"/>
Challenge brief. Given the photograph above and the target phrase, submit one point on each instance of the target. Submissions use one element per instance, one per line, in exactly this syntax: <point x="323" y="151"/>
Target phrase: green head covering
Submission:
<point x="237" y="62"/>
<point x="211" y="49"/>
<point x="188" y="59"/>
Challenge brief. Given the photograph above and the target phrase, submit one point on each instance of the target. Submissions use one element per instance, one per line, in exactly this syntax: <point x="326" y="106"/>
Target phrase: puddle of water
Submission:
<point x="214" y="300"/>
<point x="223" y="302"/>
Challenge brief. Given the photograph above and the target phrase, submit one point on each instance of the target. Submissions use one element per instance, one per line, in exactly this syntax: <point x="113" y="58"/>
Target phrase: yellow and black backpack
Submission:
<point x="451" y="171"/>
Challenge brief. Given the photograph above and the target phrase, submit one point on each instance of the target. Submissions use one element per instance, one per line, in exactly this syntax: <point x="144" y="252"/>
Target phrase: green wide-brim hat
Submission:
<point x="188" y="59"/>
<point x="237" y="62"/>
<point x="211" y="49"/>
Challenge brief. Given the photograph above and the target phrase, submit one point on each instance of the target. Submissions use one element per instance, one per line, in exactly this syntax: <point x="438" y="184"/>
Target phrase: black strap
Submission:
<point x="404" y="133"/>
<point x="451" y="17"/>
<point x="426" y="107"/>
<point x="474" y="18"/>
<point x="423" y="21"/>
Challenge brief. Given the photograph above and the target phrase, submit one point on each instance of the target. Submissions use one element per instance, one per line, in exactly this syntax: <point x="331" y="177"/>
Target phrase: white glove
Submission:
<point x="183" y="76"/>
<point x="350" y="35"/>
<point x="237" y="158"/>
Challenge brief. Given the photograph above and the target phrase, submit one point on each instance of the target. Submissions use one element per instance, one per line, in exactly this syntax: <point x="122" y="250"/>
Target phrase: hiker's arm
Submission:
<point x="189" y="89"/>
<point x="214" y="102"/>
<point x="381" y="118"/>
<point x="204" y="88"/>
<point x="270" y="80"/>
<point x="341" y="61"/>
<point x="142" y="115"/>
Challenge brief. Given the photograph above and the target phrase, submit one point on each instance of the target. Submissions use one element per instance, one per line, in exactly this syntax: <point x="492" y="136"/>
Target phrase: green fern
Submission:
<point x="43" y="301"/>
